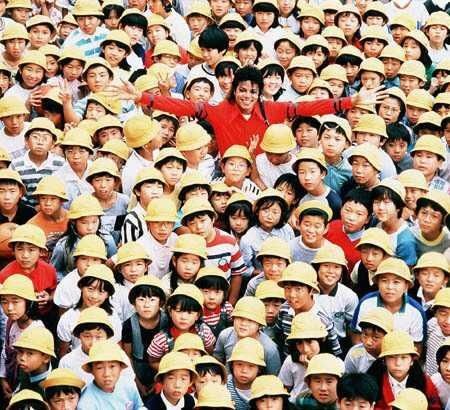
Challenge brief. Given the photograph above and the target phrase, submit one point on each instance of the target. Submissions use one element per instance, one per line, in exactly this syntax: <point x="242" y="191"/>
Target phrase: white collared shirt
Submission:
<point x="396" y="386"/>
<point x="169" y="405"/>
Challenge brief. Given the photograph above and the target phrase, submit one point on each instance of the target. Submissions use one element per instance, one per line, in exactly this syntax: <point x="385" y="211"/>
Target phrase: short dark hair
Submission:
<point x="381" y="192"/>
<point x="214" y="37"/>
<point x="236" y="208"/>
<point x="104" y="286"/>
<point x="92" y="326"/>
<point x="134" y="20"/>
<point x="54" y="390"/>
<point x="291" y="181"/>
<point x="223" y="67"/>
<point x="360" y="196"/>
<point x="246" y="73"/>
<point x="107" y="10"/>
<point x="370" y="326"/>
<point x="146" y="291"/>
<point x="423" y="202"/>
<point x="347" y="58"/>
<point x="267" y="203"/>
<point x="212" y="282"/>
<point x="189" y="218"/>
<point x="357" y="385"/>
<point x="247" y="44"/>
<point x="266" y="7"/>
<point x="314" y="212"/>
<point x="396" y="132"/>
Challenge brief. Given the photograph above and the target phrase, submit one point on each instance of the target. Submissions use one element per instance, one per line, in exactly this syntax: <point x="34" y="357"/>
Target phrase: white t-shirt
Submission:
<point x="269" y="173"/>
<point x="293" y="375"/>
<point x="15" y="146"/>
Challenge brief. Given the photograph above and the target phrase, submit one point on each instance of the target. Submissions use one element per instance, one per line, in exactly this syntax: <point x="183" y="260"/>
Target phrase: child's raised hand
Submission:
<point x="370" y="97"/>
<point x="253" y="143"/>
<point x="65" y="94"/>
<point x="124" y="91"/>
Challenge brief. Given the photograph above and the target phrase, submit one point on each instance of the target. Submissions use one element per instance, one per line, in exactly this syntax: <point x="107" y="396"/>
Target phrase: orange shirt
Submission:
<point x="53" y="230"/>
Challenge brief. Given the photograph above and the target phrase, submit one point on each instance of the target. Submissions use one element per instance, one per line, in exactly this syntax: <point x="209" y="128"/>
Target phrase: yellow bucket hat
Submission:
<point x="11" y="105"/>
<point x="97" y="61"/>
<point x="34" y="57"/>
<point x="442" y="98"/>
<point x="371" y="123"/>
<point x="189" y="341"/>
<point x="146" y="281"/>
<point x="62" y="377"/>
<point x="166" y="47"/>
<point x="442" y="298"/>
<point x="29" y="233"/>
<point x="316" y="40"/>
<point x="438" y="18"/>
<point x="267" y="385"/>
<point x="300" y="272"/>
<point x="274" y="246"/>
<point x="102" y="165"/>
<point x="192" y="244"/>
<point x="85" y="205"/>
<point x="404" y="20"/>
<point x="77" y="137"/>
<point x="131" y="251"/>
<point x="233" y="17"/>
<point x="116" y="147"/>
<point x="28" y="396"/>
<point x="157" y="20"/>
<point x="330" y="5"/>
<point x="93" y="314"/>
<point x="334" y="32"/>
<point x="412" y="178"/>
<point x="51" y="50"/>
<point x="69" y="19"/>
<point x="351" y="51"/>
<point x="107" y="121"/>
<point x="247" y="35"/>
<point x="147" y="175"/>
<point x="194" y="49"/>
<point x="291" y="37"/>
<point x="302" y="62"/>
<point x="325" y="363"/>
<point x="312" y="11"/>
<point x="269" y="289"/>
<point x="340" y="122"/>
<point x="376" y="237"/>
<point x="41" y="19"/>
<point x="4" y="156"/>
<point x="239" y="151"/>
<point x="310" y="154"/>
<point x="377" y="32"/>
<point x="201" y="8"/>
<point x="19" y="285"/>
<point x="397" y="342"/>
<point x="22" y="4"/>
<point x="189" y="290"/>
<point x="430" y="143"/>
<point x="161" y="210"/>
<point x="410" y="399"/>
<point x="101" y="272"/>
<point x="393" y="51"/>
<point x="118" y="36"/>
<point x="442" y="199"/>
<point x="307" y="325"/>
<point x="91" y="245"/>
<point x="175" y="361"/>
<point x="14" y="30"/>
<point x="314" y="204"/>
<point x="51" y="185"/>
<point x="213" y="396"/>
<point x="396" y="267"/>
<point x="107" y="103"/>
<point x="146" y="82"/>
<point x="105" y="351"/>
<point x="319" y="83"/>
<point x="369" y="152"/>
<point x="372" y="64"/>
<point x="394" y="185"/>
<point x="380" y="317"/>
<point x="140" y="130"/>
<point x="7" y="174"/>
<point x="330" y="253"/>
<point x="191" y="136"/>
<point x="36" y="338"/>
<point x="413" y="68"/>
<point x="251" y="308"/>
<point x="432" y="260"/>
<point x="169" y="153"/>
<point x="428" y="118"/>
<point x="334" y="72"/>
<point x="195" y="205"/>
<point x="87" y="8"/>
<point x="42" y="123"/>
<point x="376" y="6"/>
<point x="418" y="36"/>
<point x="238" y="197"/>
<point x="248" y="350"/>
<point x="420" y="98"/>
<point x="207" y="359"/>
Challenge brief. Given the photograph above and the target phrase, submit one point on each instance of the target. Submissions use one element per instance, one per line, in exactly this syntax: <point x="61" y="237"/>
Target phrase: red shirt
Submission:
<point x="230" y="127"/>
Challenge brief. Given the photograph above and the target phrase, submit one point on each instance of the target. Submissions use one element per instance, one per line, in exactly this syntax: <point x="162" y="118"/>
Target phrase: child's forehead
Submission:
<point x="390" y="276"/>
<point x="178" y="372"/>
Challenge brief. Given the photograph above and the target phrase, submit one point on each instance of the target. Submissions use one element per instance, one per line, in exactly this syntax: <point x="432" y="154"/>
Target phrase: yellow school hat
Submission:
<point x="105" y="351"/>
<point x="403" y="19"/>
<point x="170" y="153"/>
<point x="51" y="185"/>
<point x="319" y="83"/>
<point x="233" y="17"/>
<point x="330" y="5"/>
<point x="376" y="237"/>
<point x="302" y="62"/>
<point x="194" y="49"/>
<point x="4" y="155"/>
<point x="239" y="151"/>
<point x="288" y="35"/>
<point x="192" y="244"/>
<point x="325" y="363"/>
<point x="27" y="396"/>
<point x="77" y="137"/>
<point x="29" y="233"/>
<point x="334" y="72"/>
<point x="107" y="121"/>
<point x="418" y="36"/>
<point x="109" y="104"/>
<point x="101" y="272"/>
<point x="442" y="98"/>
<point x="19" y="285"/>
<point x="146" y="82"/>
<point x="87" y="8"/>
<point x="41" y="19"/>
<point x="42" y="123"/>
<point x="413" y="68"/>
<point x="91" y="245"/>
<point x="317" y="205"/>
<point x="195" y="205"/>
<point x="378" y="7"/>
<point x="300" y="272"/>
<point x="7" y="174"/>
<point x="12" y="105"/>
<point x="97" y="61"/>
<point x="248" y="350"/>
<point x="269" y="289"/>
<point x="334" y="32"/>
<point x="53" y="95"/>
<point x="440" y="198"/>
<point x="394" y="266"/>
<point x="351" y="51"/>
<point x="211" y="271"/>
<point x="444" y="65"/>
<point x="200" y="7"/>
<point x="102" y="165"/>
<point x="438" y="18"/>
<point x="189" y="290"/>
<point x="238" y="197"/>
<point x="394" y="185"/>
<point x="376" y="32"/>
<point x="116" y="147"/>
<point x="132" y="11"/>
<point x="146" y="280"/>
<point x="372" y="64"/>
<point x="341" y="122"/>
<point x="316" y="40"/>
<point x="175" y="361"/>
<point x="307" y="325"/>
<point x="161" y="210"/>
<point x="220" y="187"/>
<point x="139" y="130"/>
<point x="330" y="253"/>
<point x="62" y="377"/>
<point x="51" y="50"/>
<point x="14" y="30"/>
<point x="148" y="174"/>
<point x="251" y="308"/>
<point x="393" y="51"/>
<point x="157" y="20"/>
<point x="442" y="298"/>
<point x="207" y="359"/>
<point x="193" y="178"/>
<point x="166" y="47"/>
<point x="310" y="154"/>
<point x="432" y="260"/>
<point x="430" y="143"/>
<point x="22" y="4"/>
<point x="189" y="341"/>
<point x="410" y="399"/>
<point x="369" y="152"/>
<point x="412" y="178"/>
<point x="213" y="396"/>
<point x="429" y="117"/>
<point x="131" y="251"/>
<point x="420" y="98"/>
<point x="88" y="125"/>
<point x="85" y="205"/>
<point x="191" y="136"/>
<point x="267" y="385"/>
<point x="247" y="35"/>
<point x="397" y="342"/>
<point x="69" y="19"/>
<point x="34" y="57"/>
<point x="271" y="193"/>
<point x="380" y="317"/>
<point x="37" y="338"/>
<point x="274" y="246"/>
<point x="118" y="36"/>
<point x="312" y="11"/>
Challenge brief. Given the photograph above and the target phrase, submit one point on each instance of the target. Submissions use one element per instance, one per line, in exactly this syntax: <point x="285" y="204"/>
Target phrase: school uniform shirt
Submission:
<point x="415" y="9"/>
<point x="228" y="338"/>
<point x="23" y="214"/>
<point x="302" y="253"/>
<point x="410" y="317"/>
<point x="160" y="402"/>
<point x="14" y="145"/>
<point x="134" y="164"/>
<point x="442" y="387"/>
<point x="18" y="91"/>
<point x="88" y="44"/>
<point x="75" y="186"/>
<point x="292" y="374"/>
<point x="435" y="338"/>
<point x="358" y="359"/>
<point x="253" y="284"/>
<point x="338" y="174"/>
<point x="269" y="173"/>
<point x="31" y="174"/>
<point x="290" y="23"/>
<point x="67" y="292"/>
<point x="404" y="244"/>
<point x="113" y="216"/>
<point x="134" y="225"/>
<point x="120" y="301"/>
<point x="331" y="197"/>
<point x="440" y="244"/>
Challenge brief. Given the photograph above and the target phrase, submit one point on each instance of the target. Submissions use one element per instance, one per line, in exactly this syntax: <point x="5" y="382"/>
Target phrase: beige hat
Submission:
<point x="432" y="260"/>
<point x="87" y="8"/>
<point x="269" y="289"/>
<point x="440" y="198"/>
<point x="419" y="37"/>
<point x="161" y="210"/>
<point x="430" y="143"/>
<point x="334" y="32"/>
<point x="410" y="399"/>
<point x="37" y="338"/>
<point x="310" y="154"/>
<point x="251" y="308"/>
<point x="395" y="267"/>
<point x="300" y="272"/>
<point x="214" y="396"/>
<point x="51" y="185"/>
<point x="278" y="139"/>
<point x="369" y="152"/>
<point x="397" y="342"/>
<point x="189" y="341"/>
<point x="380" y="317"/>
<point x="325" y="363"/>
<point x="372" y="64"/>
<point x="30" y="397"/>
<point x="105" y="351"/>
<point x="413" y="68"/>
<point x="373" y="124"/>
<point x="420" y="98"/>
<point x="393" y="51"/>
<point x="413" y="178"/>
<point x="307" y="325"/>
<point x="14" y="30"/>
<point x="376" y="237"/>
<point x="191" y="136"/>
<point x="302" y="62"/>
<point x="237" y="151"/>
<point x="116" y="147"/>
<point x="274" y="246"/>
<point x="394" y="185"/>
<point x="140" y="130"/>
<point x="267" y="385"/>
<point x="376" y="32"/>
<point x="334" y="72"/>
<point x="12" y="105"/>
<point x="403" y="19"/>
<point x="248" y="350"/>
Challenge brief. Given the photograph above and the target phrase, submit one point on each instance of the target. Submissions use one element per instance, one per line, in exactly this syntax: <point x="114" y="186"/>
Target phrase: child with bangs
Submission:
<point x="172" y="166"/>
<point x="273" y="77"/>
<point x="210" y="371"/>
<point x="238" y="216"/>
<point x="292" y="192"/>
<point x="62" y="387"/>
<point x="116" y="47"/>
<point x="306" y="132"/>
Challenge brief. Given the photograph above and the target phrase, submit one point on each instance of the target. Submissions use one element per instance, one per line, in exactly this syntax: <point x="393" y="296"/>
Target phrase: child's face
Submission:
<point x="357" y="403"/>
<point x="32" y="75"/>
<point x="232" y="34"/>
<point x="244" y="372"/>
<point x="160" y="230"/>
<point x="269" y="403"/>
<point x="320" y="93"/>
<point x="175" y="384"/>
<point x="213" y="298"/>
<point x="94" y="294"/>
<point x="351" y="71"/>
<point x="427" y="163"/>
<point x="329" y="274"/>
<point x="103" y="186"/>
<point x="147" y="307"/>
<point x="323" y="388"/>
<point x="219" y="7"/>
<point x="97" y="78"/>
<point x="391" y="66"/>
<point x="112" y="20"/>
<point x="384" y="209"/>
<point x="391" y="287"/>
<point x="10" y="195"/>
<point x="65" y="29"/>
<point x="236" y="170"/>
<point x="72" y="70"/>
<point x="432" y="280"/>
<point x="199" y="92"/>
<point x="247" y="55"/>
<point x="94" y="111"/>
<point x="370" y="79"/>
<point x="88" y="24"/>
<point x="272" y="267"/>
<point x="437" y="33"/>
<point x="288" y="192"/>
<point x="301" y="79"/>
<point x="167" y="132"/>
<point x="269" y="216"/>
<point x="409" y="83"/>
<point x="354" y="216"/>
<point x="31" y="361"/>
<point x="187" y="266"/>
<point x="66" y="401"/>
<point x="348" y="23"/>
<point x="83" y="262"/>
<point x="205" y="378"/>
<point x="149" y="191"/>
<point x="245" y="327"/>
<point x="399" y="33"/>
<point x="49" y="204"/>
<point x="337" y="87"/>
<point x="155" y="34"/>
<point x="363" y="172"/>
<point x="444" y="367"/>
<point x="134" y="269"/>
<point x="372" y="338"/>
<point x="114" y="54"/>
<point x="443" y="319"/>
<point x="219" y="201"/>
<point x="272" y="309"/>
<point x="201" y="225"/>
<point x="310" y="175"/>
<point x="396" y="149"/>
<point x="77" y="157"/>
<point x="243" y="7"/>
<point x="238" y="222"/>
<point x="308" y="347"/>
<point x="211" y="56"/>
<point x="371" y="257"/>
<point x="15" y="47"/>
<point x="14" y="123"/>
<point x="106" y="134"/>
<point x="40" y="35"/>
<point x="182" y="319"/>
<point x="172" y="172"/>
<point x="333" y="143"/>
<point x="373" y="139"/>
<point x="52" y="66"/>
<point x="307" y="136"/>
<point x="4" y="82"/>
<point x="398" y="365"/>
<point x="372" y="47"/>
<point x="430" y="221"/>
<point x="197" y="192"/>
<point x="87" y="225"/>
<point x="39" y="142"/>
<point x="13" y="306"/>
<point x="312" y="229"/>
<point x="318" y="56"/>
<point x="278" y="159"/>
<point x="309" y="26"/>
<point x="264" y="19"/>
<point x="195" y="156"/>
<point x="298" y="296"/>
<point x="20" y="14"/>
<point x="89" y="337"/>
<point x="272" y="84"/>
<point x="106" y="374"/>
<point x="167" y="59"/>
<point x="26" y="255"/>
<point x="412" y="195"/>
<point x="285" y="53"/>
<point x="390" y="110"/>
<point x="412" y="49"/>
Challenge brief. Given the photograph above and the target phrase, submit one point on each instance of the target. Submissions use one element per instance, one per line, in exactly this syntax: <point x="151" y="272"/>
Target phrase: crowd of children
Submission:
<point x="224" y="204"/>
